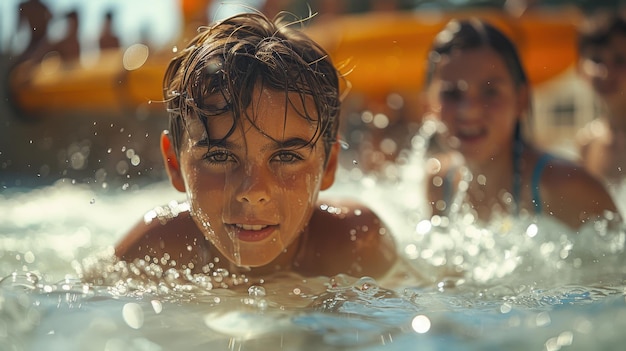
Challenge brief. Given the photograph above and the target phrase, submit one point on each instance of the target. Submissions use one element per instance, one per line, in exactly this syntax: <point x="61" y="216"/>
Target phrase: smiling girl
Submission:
<point x="478" y="89"/>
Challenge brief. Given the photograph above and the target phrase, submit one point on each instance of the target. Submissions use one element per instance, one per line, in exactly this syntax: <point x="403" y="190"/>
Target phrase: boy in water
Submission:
<point x="254" y="113"/>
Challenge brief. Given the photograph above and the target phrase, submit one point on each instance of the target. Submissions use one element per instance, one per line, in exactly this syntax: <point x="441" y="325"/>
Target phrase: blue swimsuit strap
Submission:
<point x="536" y="179"/>
<point x="448" y="180"/>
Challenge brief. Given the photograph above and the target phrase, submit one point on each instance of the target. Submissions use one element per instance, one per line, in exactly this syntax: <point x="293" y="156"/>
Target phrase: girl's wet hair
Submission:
<point x="470" y="34"/>
<point x="233" y="56"/>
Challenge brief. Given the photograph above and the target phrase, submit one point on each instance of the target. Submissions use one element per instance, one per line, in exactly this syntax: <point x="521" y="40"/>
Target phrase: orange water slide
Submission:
<point x="385" y="52"/>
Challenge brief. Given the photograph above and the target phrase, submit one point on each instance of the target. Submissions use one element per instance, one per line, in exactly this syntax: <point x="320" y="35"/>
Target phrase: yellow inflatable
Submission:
<point x="387" y="52"/>
<point x="383" y="52"/>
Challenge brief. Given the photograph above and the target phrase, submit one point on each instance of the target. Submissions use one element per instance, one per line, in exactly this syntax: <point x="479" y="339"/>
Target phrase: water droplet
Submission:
<point x="366" y="283"/>
<point x="29" y="257"/>
<point x="421" y="324"/>
<point x="133" y="315"/>
<point x="157" y="306"/>
<point x="256" y="291"/>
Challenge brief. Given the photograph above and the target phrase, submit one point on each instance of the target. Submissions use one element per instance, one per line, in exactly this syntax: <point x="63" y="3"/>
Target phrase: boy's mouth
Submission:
<point x="250" y="226"/>
<point x="253" y="232"/>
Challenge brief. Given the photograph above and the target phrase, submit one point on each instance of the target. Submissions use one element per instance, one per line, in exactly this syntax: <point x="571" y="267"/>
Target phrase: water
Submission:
<point x="517" y="285"/>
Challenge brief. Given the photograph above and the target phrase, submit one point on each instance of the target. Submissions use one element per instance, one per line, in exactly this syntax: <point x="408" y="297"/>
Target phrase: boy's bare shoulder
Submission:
<point x="346" y="236"/>
<point x="165" y="232"/>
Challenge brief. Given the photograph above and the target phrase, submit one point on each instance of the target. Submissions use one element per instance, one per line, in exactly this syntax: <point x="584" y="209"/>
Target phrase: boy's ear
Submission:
<point x="171" y="162"/>
<point x="331" y="167"/>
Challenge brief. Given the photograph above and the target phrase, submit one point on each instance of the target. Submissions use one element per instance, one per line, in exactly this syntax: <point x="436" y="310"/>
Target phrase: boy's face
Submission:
<point x="253" y="193"/>
<point x="605" y="68"/>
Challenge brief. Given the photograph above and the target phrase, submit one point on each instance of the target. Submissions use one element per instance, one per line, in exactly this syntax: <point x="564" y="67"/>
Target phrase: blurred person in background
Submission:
<point x="477" y="87"/>
<point x="602" y="64"/>
<point x="108" y="39"/>
<point x="67" y="49"/>
<point x="36" y="16"/>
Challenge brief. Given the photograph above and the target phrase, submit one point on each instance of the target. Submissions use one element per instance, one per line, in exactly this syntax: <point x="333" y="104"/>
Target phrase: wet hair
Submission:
<point x="598" y="29"/>
<point x="233" y="56"/>
<point x="470" y="34"/>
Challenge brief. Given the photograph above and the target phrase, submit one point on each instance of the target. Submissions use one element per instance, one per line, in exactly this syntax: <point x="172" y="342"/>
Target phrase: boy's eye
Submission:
<point x="219" y="156"/>
<point x="287" y="157"/>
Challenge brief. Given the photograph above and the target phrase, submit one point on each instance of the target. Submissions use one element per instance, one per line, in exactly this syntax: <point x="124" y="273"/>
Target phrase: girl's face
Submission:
<point x="476" y="98"/>
<point x="253" y="193"/>
<point x="605" y="68"/>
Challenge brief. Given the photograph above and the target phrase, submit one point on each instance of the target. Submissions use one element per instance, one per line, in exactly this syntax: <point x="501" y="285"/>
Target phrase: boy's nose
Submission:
<point x="254" y="187"/>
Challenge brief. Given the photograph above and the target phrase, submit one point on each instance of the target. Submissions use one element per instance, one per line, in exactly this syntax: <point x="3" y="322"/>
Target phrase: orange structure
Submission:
<point x="384" y="52"/>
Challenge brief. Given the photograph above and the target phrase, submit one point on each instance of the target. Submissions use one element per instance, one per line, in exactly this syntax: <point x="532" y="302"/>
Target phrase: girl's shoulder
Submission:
<point x="572" y="194"/>
<point x="559" y="171"/>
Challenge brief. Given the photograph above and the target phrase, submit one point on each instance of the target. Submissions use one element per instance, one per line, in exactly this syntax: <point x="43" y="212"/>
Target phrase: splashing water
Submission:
<point x="516" y="283"/>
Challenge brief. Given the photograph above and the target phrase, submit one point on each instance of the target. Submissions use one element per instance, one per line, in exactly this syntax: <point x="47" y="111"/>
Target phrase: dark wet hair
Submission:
<point x="470" y="34"/>
<point x="597" y="30"/>
<point x="232" y="56"/>
<point x="474" y="33"/>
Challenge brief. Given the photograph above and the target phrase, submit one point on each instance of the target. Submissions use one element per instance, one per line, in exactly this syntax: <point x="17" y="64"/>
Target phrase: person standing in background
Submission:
<point x="108" y="39"/>
<point x="602" y="64"/>
<point x="37" y="16"/>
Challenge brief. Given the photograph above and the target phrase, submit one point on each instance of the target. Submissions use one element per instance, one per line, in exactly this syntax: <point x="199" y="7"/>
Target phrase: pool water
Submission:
<point x="518" y="284"/>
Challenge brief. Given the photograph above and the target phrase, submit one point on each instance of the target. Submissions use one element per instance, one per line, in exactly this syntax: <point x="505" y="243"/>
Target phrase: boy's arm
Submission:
<point x="347" y="237"/>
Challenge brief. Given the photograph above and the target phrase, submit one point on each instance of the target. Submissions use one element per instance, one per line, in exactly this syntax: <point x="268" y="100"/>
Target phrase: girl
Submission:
<point x="477" y="87"/>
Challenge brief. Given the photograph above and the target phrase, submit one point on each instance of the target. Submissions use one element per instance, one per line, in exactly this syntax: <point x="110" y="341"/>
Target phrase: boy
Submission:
<point x="254" y="108"/>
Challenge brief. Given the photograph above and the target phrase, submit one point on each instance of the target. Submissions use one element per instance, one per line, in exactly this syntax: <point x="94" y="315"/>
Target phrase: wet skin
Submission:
<point x="475" y="96"/>
<point x="603" y="141"/>
<point x="605" y="68"/>
<point x="253" y="200"/>
<point x="477" y="100"/>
